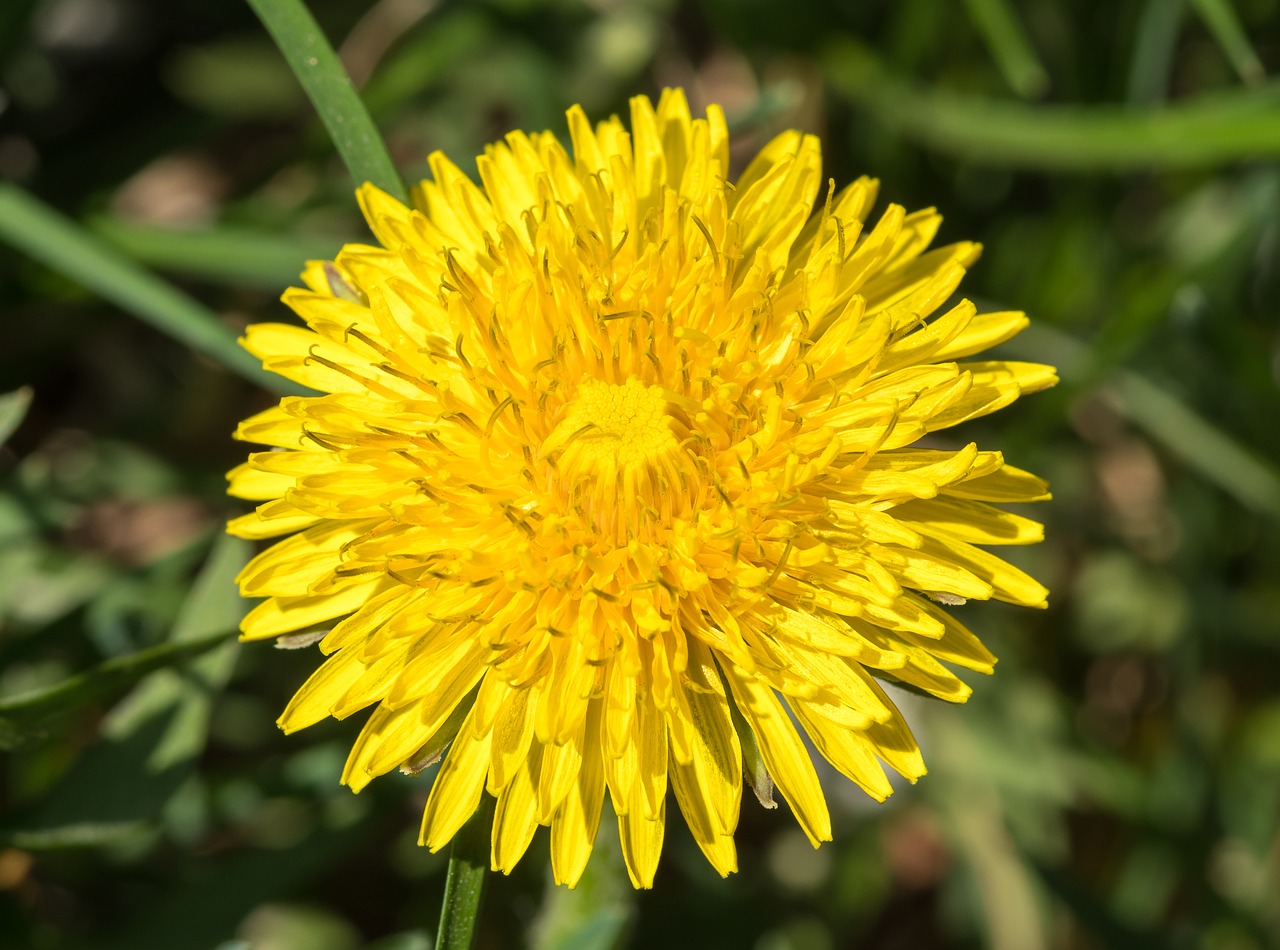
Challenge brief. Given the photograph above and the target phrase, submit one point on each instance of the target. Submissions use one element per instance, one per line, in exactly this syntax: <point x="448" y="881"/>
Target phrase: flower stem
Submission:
<point x="464" y="886"/>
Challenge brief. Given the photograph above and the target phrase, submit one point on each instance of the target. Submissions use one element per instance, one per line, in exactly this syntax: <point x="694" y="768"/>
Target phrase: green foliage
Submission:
<point x="1115" y="783"/>
<point x="316" y="65"/>
<point x="39" y="231"/>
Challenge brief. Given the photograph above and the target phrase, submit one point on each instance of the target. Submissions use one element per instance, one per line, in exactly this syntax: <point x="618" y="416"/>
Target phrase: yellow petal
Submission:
<point x="847" y="749"/>
<point x="983" y="332"/>
<point x="275" y="426"/>
<point x="397" y="601"/>
<point x="970" y="521"/>
<point x="1008" y="484"/>
<point x="315" y="699"/>
<point x="271" y="520"/>
<point x="573" y="830"/>
<point x="650" y="738"/>
<point x="246" y="481"/>
<point x="288" y="568"/>
<point x="698" y="811"/>
<point x="1029" y="377"/>
<point x="456" y="792"/>
<point x="923" y="571"/>
<point x="515" y="819"/>
<point x="923" y="286"/>
<point x="708" y="788"/>
<point x="303" y="355"/>
<point x="387" y="739"/>
<point x="956" y="645"/>
<point x="1008" y="583"/>
<point x="642" y="844"/>
<point x="285" y="614"/>
<point x="784" y="754"/>
<point x="561" y="765"/>
<point x="921" y="670"/>
<point x="894" y="743"/>
<point x="512" y="735"/>
<point x="444" y="669"/>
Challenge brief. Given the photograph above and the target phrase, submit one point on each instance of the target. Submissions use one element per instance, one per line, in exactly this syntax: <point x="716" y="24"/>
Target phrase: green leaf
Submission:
<point x="1203" y="446"/>
<point x="1203" y="132"/>
<point x="1153" y="50"/>
<point x="237" y="256"/>
<point x="153" y="738"/>
<point x="1220" y="17"/>
<point x="185" y="697"/>
<point x="330" y="90"/>
<point x="13" y="409"/>
<point x="1001" y="30"/>
<point x="239" y="78"/>
<point x="26" y="718"/>
<point x="36" y="229"/>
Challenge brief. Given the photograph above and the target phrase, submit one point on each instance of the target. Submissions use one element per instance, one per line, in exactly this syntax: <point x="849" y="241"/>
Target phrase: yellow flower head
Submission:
<point x="611" y="484"/>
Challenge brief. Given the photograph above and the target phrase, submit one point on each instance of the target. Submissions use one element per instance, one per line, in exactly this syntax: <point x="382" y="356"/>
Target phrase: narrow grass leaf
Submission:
<point x="1153" y="48"/>
<point x="37" y="230"/>
<point x="998" y="24"/>
<point x="13" y="409"/>
<point x="234" y="256"/>
<point x="26" y="717"/>
<point x="152" y="739"/>
<point x="327" y="85"/>
<point x="1206" y="131"/>
<point x="1220" y="17"/>
<point x="1201" y="445"/>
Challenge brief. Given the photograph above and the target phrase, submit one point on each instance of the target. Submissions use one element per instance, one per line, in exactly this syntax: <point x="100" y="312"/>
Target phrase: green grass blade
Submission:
<point x="998" y="24"/>
<point x="152" y="739"/>
<point x="238" y="256"/>
<point x="1220" y="17"/>
<point x="329" y="88"/>
<point x="36" y="229"/>
<point x="13" y="409"/>
<point x="23" y="718"/>
<point x="1205" y="132"/>
<point x="1201" y="445"/>
<point x="1153" y="49"/>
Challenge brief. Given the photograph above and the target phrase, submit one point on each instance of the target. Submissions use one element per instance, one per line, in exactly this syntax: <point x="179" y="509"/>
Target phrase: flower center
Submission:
<point x="611" y="428"/>
<point x="617" y="458"/>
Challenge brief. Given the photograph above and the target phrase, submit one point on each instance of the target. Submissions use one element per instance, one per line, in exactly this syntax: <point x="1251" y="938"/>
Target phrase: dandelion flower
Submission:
<point x="611" y="484"/>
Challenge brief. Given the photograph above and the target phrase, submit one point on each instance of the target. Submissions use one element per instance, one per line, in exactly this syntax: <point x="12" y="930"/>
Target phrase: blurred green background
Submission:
<point x="1115" y="784"/>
